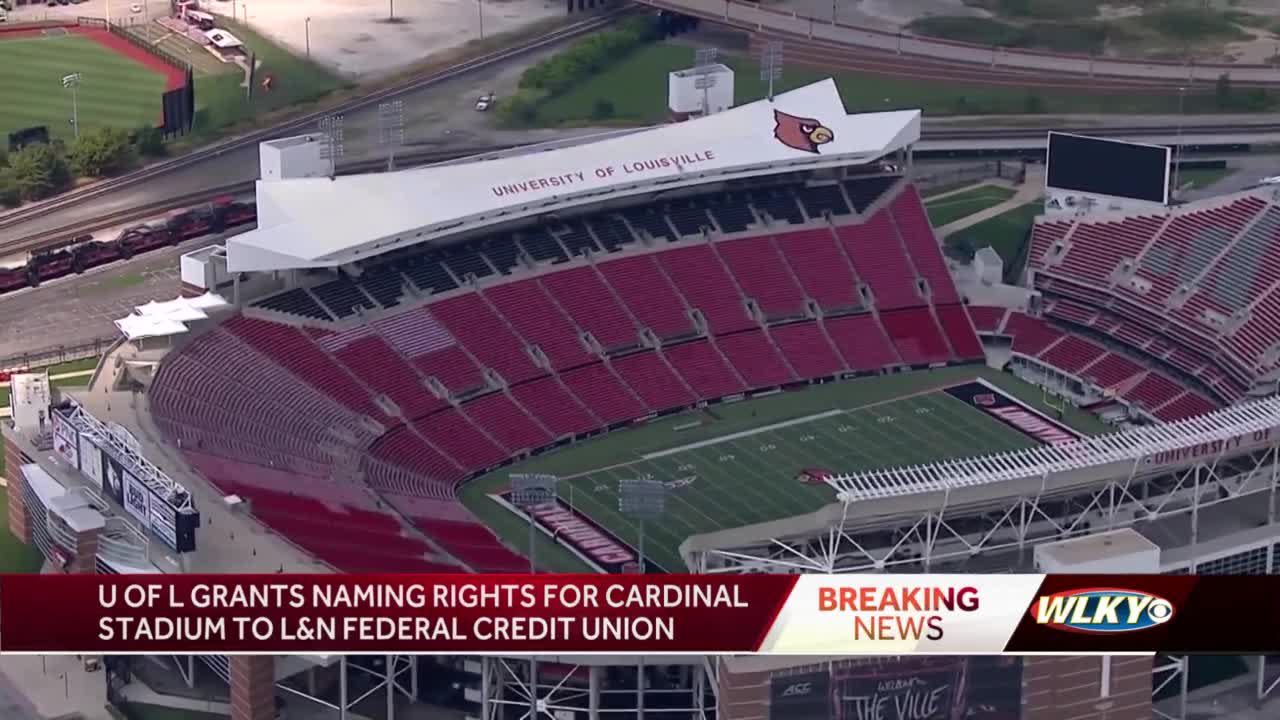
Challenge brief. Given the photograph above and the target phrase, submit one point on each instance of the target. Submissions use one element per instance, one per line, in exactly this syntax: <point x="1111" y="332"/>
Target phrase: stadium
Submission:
<point x="748" y="313"/>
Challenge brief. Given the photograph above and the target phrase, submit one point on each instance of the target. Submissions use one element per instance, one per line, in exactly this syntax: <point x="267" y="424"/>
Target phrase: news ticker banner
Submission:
<point x="514" y="614"/>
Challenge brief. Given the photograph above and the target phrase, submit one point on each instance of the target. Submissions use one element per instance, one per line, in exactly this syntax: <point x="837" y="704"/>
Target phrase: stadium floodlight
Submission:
<point x="391" y="129"/>
<point x="642" y="500"/>
<point x="332" y="144"/>
<point x="72" y="83"/>
<point x="771" y="64"/>
<point x="704" y="80"/>
<point x="1177" y="148"/>
<point x="529" y="492"/>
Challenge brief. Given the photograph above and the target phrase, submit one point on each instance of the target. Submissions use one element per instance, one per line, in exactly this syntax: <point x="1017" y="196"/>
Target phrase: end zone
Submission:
<point x="1012" y="412"/>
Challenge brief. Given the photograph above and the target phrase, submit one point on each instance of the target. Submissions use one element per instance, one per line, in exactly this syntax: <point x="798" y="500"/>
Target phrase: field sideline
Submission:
<point x="736" y="464"/>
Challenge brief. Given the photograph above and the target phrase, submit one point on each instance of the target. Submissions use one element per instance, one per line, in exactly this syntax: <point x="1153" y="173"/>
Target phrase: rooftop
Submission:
<point x="326" y="222"/>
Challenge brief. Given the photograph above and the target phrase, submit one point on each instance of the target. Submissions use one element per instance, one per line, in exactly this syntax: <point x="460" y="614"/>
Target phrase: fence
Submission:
<point x="55" y="355"/>
<point x="1012" y="171"/>
<point x="136" y="41"/>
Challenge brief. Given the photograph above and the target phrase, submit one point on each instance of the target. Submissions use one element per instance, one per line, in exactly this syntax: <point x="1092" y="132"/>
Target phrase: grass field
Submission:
<point x="221" y="97"/>
<point x="1005" y="233"/>
<point x="736" y="464"/>
<point x="14" y="556"/>
<point x="1198" y="178"/>
<point x="946" y="210"/>
<point x="74" y="366"/>
<point x="115" y="91"/>
<point x="637" y="87"/>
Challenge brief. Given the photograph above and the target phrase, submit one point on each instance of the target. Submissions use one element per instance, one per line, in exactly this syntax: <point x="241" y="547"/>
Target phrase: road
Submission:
<point x="439" y="117"/>
<point x="752" y="16"/>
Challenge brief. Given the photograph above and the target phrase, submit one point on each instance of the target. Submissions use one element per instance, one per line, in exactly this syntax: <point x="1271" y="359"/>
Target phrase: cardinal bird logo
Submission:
<point x="805" y="134"/>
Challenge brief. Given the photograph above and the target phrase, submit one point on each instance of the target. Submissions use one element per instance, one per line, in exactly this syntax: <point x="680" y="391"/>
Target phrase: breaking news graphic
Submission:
<point x="883" y="615"/>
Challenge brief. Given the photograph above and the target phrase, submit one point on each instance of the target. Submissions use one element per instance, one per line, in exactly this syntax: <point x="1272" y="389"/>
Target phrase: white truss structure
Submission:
<point x="1138" y="445"/>
<point x="506" y="694"/>
<point x="915" y="517"/>
<point x="982" y="514"/>
<point x="123" y="447"/>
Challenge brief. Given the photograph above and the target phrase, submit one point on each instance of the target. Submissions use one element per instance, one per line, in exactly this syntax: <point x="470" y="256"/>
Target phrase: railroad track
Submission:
<point x="45" y="240"/>
<point x="41" y="241"/>
<point x="308" y="121"/>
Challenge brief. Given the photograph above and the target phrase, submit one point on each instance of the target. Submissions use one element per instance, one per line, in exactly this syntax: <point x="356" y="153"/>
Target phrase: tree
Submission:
<point x="9" y="196"/>
<point x="39" y="172"/>
<point x="602" y="110"/>
<point x="520" y="109"/>
<point x="101" y="152"/>
<point x="1222" y="90"/>
<point x="149" y="141"/>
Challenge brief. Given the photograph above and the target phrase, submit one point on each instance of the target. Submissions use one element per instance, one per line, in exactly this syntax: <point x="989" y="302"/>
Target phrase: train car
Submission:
<point x="142" y="238"/>
<point x="234" y="213"/>
<point x="92" y="253"/>
<point x="192" y="222"/>
<point x="13" y="278"/>
<point x="83" y="252"/>
<point x="50" y="265"/>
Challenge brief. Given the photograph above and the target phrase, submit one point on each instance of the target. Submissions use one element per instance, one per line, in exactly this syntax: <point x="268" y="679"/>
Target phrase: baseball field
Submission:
<point x="119" y="85"/>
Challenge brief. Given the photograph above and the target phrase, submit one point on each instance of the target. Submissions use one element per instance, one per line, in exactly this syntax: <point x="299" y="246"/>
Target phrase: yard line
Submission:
<point x="741" y="434"/>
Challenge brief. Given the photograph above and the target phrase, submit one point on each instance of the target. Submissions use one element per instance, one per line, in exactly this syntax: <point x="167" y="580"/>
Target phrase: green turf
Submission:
<point x="1198" y="178"/>
<point x="115" y="91"/>
<point x="14" y="556"/>
<point x="946" y="210"/>
<point x="751" y="478"/>
<point x="637" y="87"/>
<point x="1005" y="233"/>
<point x="73" y="366"/>
<point x="59" y="369"/>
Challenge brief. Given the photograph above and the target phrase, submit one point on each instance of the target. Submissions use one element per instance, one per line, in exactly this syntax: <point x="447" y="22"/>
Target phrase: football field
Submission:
<point x="115" y="90"/>
<point x="739" y="464"/>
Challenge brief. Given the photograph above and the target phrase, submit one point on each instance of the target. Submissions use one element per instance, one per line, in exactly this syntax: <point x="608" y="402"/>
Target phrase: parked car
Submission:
<point x="486" y="102"/>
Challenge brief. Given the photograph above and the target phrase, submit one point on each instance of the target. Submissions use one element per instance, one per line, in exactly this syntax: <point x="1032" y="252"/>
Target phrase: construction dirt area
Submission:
<point x="362" y="39"/>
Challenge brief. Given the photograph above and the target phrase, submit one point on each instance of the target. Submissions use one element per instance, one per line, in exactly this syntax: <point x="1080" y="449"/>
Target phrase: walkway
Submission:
<point x="752" y="16"/>
<point x="1031" y="189"/>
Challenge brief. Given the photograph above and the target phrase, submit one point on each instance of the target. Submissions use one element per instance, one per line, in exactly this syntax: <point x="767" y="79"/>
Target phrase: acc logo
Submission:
<point x="1102" y="610"/>
<point x="985" y="399"/>
<point x="797" y="689"/>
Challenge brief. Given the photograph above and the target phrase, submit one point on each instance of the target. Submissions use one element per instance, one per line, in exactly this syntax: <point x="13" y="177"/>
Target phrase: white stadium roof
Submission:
<point x="162" y="319"/>
<point x="324" y="222"/>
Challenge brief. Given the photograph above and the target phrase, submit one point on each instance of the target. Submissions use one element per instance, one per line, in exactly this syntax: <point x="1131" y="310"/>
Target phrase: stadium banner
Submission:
<point x="927" y="694"/>
<point x="114" y="474"/>
<point x="812" y="615"/>
<point x="137" y="499"/>
<point x="800" y="697"/>
<point x="91" y="460"/>
<point x="66" y="440"/>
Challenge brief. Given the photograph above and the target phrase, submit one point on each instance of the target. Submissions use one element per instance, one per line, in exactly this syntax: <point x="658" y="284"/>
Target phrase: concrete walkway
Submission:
<point x="138" y="693"/>
<point x="1031" y="189"/>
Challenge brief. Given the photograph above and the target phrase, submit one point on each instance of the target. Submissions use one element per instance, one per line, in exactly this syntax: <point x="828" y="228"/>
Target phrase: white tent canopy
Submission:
<point x="326" y="222"/>
<point x="164" y="319"/>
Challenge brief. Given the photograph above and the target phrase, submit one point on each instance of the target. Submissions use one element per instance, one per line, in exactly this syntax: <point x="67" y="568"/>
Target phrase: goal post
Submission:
<point x="1054" y="401"/>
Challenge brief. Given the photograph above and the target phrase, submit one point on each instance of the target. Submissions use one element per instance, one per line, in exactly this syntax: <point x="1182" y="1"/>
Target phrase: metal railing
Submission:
<point x="56" y="355"/>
